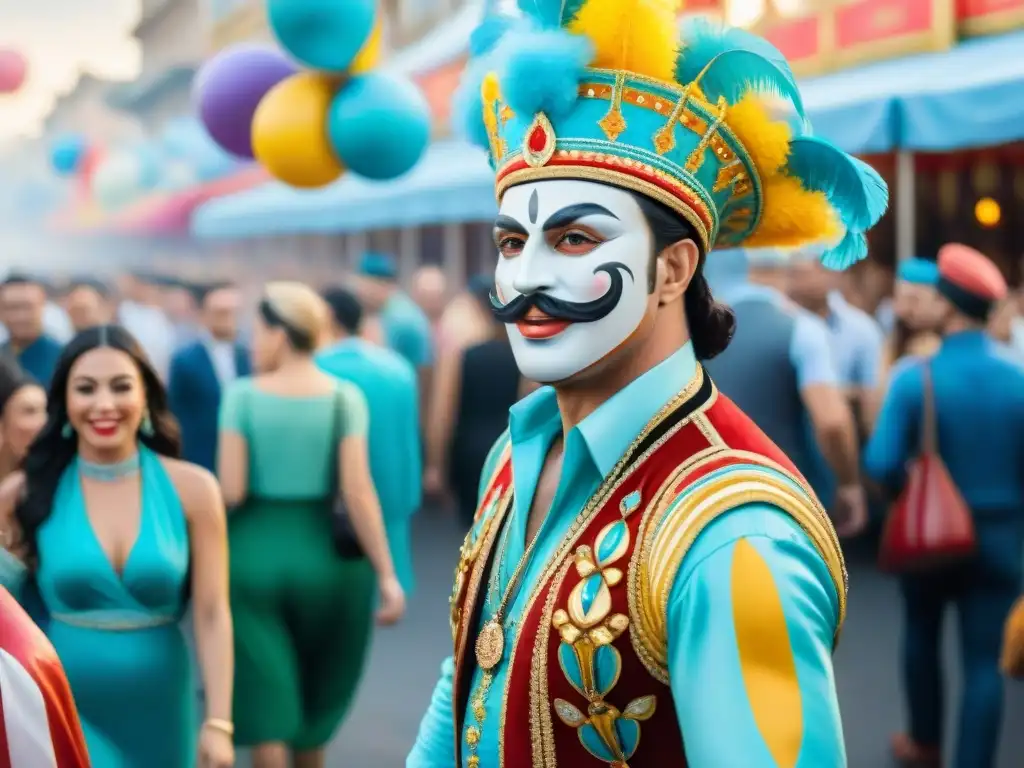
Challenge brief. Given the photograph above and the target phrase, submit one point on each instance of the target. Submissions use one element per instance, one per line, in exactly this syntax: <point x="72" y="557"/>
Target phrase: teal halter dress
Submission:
<point x="118" y="635"/>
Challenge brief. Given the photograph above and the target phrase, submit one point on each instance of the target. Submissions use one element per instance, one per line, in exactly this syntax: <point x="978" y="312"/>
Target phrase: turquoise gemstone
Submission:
<point x="571" y="666"/>
<point x="607" y="663"/>
<point x="610" y="541"/>
<point x="629" y="736"/>
<point x="630" y="502"/>
<point x="594" y="744"/>
<point x="591" y="589"/>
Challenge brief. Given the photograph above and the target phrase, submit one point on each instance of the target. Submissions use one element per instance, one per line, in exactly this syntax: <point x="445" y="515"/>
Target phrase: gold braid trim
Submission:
<point x="672" y="524"/>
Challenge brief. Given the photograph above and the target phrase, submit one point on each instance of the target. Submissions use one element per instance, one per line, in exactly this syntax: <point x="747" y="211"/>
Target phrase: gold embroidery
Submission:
<point x="665" y="138"/>
<point x="492" y="524"/>
<point x="613" y="123"/>
<point x="588" y="659"/>
<point x="541" y="729"/>
<point x="677" y="521"/>
<point x="696" y="158"/>
<point x="639" y="632"/>
<point x="478" y="701"/>
<point x="470" y="550"/>
<point x="540" y="707"/>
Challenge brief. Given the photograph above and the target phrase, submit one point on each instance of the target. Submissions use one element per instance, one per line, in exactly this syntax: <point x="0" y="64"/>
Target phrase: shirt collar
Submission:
<point x="608" y="431"/>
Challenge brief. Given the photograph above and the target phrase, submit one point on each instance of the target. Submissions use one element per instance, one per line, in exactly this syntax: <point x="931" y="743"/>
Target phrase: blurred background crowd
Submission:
<point x="117" y="206"/>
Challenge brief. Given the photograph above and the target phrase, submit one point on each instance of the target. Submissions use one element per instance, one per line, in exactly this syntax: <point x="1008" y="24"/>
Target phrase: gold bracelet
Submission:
<point x="224" y="726"/>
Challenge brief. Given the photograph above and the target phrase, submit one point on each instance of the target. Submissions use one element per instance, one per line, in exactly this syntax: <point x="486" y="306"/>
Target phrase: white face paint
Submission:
<point x="553" y="238"/>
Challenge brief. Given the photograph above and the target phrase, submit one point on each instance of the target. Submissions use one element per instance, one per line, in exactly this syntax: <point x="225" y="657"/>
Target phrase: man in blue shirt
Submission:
<point x="977" y="387"/>
<point x="780" y="369"/>
<point x="389" y="384"/>
<point x="22" y="304"/>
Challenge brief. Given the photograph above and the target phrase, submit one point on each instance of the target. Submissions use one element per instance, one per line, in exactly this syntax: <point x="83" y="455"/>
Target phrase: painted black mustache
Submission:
<point x="569" y="311"/>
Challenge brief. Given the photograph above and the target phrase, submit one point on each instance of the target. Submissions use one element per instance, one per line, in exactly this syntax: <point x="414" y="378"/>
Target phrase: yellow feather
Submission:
<point x="639" y="36"/>
<point x="766" y="141"/>
<point x="793" y="216"/>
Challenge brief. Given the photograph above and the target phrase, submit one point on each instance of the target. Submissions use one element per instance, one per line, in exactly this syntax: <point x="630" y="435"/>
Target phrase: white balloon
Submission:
<point x="118" y="180"/>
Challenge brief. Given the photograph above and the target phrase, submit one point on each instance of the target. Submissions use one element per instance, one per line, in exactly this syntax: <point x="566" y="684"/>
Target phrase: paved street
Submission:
<point x="405" y="663"/>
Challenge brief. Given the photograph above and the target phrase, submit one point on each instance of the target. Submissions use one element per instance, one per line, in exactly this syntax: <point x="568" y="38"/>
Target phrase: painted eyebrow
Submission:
<point x="508" y="224"/>
<point x="573" y="213"/>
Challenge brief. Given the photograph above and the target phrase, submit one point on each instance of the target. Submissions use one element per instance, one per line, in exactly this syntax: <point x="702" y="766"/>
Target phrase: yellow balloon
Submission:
<point x="289" y="131"/>
<point x="368" y="57"/>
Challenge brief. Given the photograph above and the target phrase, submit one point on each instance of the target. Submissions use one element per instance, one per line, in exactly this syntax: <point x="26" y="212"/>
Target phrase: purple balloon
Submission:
<point x="229" y="87"/>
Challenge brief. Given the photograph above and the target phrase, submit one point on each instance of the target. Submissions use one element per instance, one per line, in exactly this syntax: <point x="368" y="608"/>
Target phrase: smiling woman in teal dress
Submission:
<point x="118" y="534"/>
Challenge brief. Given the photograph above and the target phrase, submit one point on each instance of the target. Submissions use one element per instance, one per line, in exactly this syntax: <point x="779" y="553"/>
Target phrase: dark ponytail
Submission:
<point x="712" y="324"/>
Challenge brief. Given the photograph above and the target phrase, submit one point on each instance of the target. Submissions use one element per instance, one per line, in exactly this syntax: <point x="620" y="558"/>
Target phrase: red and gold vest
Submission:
<point x="589" y="670"/>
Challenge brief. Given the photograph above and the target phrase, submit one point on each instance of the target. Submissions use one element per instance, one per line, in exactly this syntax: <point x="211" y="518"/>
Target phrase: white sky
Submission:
<point x="63" y="40"/>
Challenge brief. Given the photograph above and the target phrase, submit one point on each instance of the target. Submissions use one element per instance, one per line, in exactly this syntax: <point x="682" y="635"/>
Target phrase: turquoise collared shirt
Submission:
<point x="720" y="697"/>
<point x="389" y="384"/>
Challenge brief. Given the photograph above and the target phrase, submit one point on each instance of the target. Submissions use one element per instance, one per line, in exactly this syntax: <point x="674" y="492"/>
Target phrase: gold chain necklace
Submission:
<point x="490" y="643"/>
<point x="478" y="705"/>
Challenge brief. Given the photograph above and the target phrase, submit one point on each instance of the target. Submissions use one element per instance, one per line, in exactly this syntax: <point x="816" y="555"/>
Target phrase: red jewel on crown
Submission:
<point x="539" y="143"/>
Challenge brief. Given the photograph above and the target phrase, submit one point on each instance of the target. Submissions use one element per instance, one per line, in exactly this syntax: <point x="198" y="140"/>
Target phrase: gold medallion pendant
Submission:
<point x="490" y="645"/>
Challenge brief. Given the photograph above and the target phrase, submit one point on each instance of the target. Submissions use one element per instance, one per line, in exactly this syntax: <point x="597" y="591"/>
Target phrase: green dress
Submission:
<point x="302" y="615"/>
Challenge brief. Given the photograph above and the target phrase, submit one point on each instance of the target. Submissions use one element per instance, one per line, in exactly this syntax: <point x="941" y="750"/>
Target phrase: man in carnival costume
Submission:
<point x="649" y="581"/>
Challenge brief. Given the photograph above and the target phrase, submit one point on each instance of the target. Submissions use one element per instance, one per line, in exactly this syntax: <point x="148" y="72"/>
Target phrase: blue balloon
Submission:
<point x="67" y="154"/>
<point x="379" y="125"/>
<point x="322" y="34"/>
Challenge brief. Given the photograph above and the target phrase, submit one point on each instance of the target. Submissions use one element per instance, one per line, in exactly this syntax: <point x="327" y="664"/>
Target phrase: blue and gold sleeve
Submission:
<point x="751" y="623"/>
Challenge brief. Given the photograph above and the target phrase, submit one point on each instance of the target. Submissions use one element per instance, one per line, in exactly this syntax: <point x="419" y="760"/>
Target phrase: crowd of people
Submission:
<point x="133" y="415"/>
<point x="158" y="439"/>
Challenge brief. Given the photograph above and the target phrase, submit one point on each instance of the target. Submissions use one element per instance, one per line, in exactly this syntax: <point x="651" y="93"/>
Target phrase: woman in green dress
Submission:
<point x="303" y="614"/>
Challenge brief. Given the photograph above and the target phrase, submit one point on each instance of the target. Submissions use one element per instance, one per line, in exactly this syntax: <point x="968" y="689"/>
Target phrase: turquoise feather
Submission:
<point x="551" y="14"/>
<point x="489" y="33"/>
<point x="853" y="187"/>
<point x="541" y="71"/>
<point x="569" y="10"/>
<point x="701" y="40"/>
<point x="752" y="63"/>
<point x="852" y="248"/>
<point x="733" y="74"/>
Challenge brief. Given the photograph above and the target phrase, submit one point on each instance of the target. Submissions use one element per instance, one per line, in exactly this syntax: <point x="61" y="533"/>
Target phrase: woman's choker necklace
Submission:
<point x="110" y="473"/>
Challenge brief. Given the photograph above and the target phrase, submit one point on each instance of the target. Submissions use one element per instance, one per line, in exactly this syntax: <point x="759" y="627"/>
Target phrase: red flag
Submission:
<point x="39" y="725"/>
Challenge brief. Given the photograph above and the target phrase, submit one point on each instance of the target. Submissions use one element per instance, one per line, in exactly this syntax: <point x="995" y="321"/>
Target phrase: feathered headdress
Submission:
<point x="709" y="122"/>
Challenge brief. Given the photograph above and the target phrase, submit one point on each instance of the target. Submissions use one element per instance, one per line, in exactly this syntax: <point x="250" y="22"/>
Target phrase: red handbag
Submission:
<point x="930" y="525"/>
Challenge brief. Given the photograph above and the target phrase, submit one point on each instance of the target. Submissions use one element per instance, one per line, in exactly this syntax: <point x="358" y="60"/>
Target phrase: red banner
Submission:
<point x="870" y="30"/>
<point x="985" y="17"/>
<point x="842" y="33"/>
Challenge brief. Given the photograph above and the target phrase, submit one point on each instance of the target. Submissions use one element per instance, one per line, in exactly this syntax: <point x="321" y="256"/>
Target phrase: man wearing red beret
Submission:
<point x="978" y="394"/>
<point x="39" y="725"/>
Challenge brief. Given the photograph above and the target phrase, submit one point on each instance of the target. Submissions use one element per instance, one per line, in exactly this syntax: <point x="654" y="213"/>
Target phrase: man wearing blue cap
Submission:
<point x="976" y="391"/>
<point x="780" y="370"/>
<point x="916" y="312"/>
